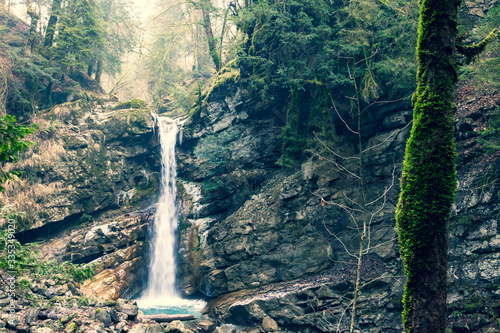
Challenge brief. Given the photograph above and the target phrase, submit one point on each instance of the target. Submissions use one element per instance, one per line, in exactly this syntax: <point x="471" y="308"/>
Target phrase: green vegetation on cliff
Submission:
<point x="306" y="52"/>
<point x="25" y="261"/>
<point x="11" y="144"/>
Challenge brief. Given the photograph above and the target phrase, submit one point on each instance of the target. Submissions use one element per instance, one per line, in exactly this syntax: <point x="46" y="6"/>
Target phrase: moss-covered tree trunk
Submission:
<point x="428" y="183"/>
<point x="212" y="41"/>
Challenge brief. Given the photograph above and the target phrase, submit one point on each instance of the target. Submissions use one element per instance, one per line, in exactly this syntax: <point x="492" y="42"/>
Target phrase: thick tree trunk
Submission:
<point x="34" y="16"/>
<point x="98" y="71"/>
<point x="91" y="67"/>
<point x="428" y="183"/>
<point x="51" y="26"/>
<point x="212" y="42"/>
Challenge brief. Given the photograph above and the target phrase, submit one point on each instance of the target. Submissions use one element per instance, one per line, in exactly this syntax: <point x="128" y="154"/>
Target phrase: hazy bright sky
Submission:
<point x="144" y="8"/>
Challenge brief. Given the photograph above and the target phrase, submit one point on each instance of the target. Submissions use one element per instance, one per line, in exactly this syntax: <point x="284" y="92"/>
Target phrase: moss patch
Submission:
<point x="132" y="104"/>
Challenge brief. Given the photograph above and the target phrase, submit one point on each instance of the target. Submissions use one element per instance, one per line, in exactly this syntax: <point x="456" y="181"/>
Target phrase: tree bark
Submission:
<point x="34" y="16"/>
<point x="51" y="26"/>
<point x="212" y="42"/>
<point x="98" y="71"/>
<point x="428" y="183"/>
<point x="166" y="318"/>
<point x="91" y="67"/>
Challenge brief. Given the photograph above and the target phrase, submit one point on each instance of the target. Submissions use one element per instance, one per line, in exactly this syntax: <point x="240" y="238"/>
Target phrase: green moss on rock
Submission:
<point x="136" y="103"/>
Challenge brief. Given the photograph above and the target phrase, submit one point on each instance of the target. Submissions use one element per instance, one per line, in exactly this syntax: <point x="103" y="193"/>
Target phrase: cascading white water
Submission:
<point x="161" y="283"/>
<point x="161" y="295"/>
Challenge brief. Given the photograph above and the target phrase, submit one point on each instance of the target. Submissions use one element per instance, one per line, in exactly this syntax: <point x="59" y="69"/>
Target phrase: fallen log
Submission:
<point x="166" y="318"/>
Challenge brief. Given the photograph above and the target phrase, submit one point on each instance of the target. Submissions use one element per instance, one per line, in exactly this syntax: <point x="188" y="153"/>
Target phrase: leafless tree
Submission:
<point x="362" y="212"/>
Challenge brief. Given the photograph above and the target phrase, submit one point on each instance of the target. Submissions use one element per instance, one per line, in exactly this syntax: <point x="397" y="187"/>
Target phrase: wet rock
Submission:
<point x="103" y="316"/>
<point x="50" y="292"/>
<point x="31" y="316"/>
<point x="23" y="329"/>
<point x="65" y="319"/>
<point x="149" y="328"/>
<point x="269" y="324"/>
<point x="109" y="164"/>
<point x="42" y="315"/>
<point x="127" y="267"/>
<point x="114" y="316"/>
<point x="43" y="330"/>
<point x="120" y="327"/>
<point x="61" y="290"/>
<point x="206" y="326"/>
<point x="54" y="315"/>
<point x="221" y="330"/>
<point x="130" y="308"/>
<point x="50" y="283"/>
<point x="11" y="323"/>
<point x="176" y="327"/>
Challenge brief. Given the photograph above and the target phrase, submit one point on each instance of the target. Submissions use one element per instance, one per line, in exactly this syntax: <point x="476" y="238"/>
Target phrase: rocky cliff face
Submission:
<point x="87" y="159"/>
<point x="264" y="244"/>
<point x="263" y="241"/>
<point x="86" y="182"/>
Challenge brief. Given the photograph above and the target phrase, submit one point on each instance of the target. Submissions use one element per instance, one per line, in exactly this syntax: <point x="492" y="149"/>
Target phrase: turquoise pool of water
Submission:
<point x="155" y="306"/>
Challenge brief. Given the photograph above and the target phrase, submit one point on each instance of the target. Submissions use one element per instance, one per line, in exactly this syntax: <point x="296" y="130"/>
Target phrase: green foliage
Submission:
<point x="226" y="76"/>
<point x="50" y="131"/>
<point x="92" y="35"/>
<point x="80" y="34"/>
<point x="485" y="71"/>
<point x="472" y="52"/>
<point x="292" y="147"/>
<point x="30" y="76"/>
<point x="23" y="257"/>
<point x="85" y="218"/>
<point x="304" y="48"/>
<point x="490" y="137"/>
<point x="212" y="184"/>
<point x="83" y="301"/>
<point x="69" y="271"/>
<point x="27" y="261"/>
<point x="78" y="273"/>
<point x="305" y="41"/>
<point x="466" y="220"/>
<point x="11" y="144"/>
<point x="23" y="284"/>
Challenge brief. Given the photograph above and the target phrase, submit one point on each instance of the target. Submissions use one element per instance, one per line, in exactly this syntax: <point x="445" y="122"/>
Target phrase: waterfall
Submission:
<point x="161" y="283"/>
<point x="161" y="295"/>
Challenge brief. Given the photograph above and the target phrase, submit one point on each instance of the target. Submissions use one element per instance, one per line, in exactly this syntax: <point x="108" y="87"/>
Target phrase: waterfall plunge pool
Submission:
<point x="168" y="305"/>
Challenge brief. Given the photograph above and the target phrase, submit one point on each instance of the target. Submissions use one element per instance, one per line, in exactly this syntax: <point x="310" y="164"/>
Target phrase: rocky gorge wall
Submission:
<point x="257" y="240"/>
<point x="87" y="189"/>
<point x="263" y="241"/>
